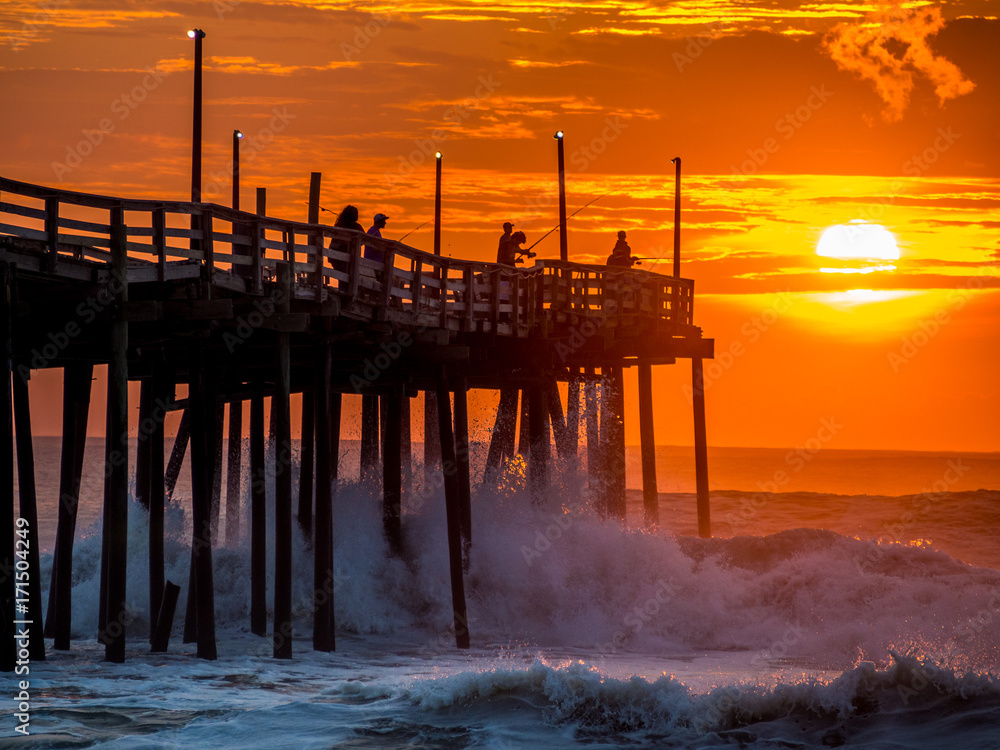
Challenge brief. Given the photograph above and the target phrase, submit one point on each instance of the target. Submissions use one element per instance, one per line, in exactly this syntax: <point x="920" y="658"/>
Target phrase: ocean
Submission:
<point x="848" y="599"/>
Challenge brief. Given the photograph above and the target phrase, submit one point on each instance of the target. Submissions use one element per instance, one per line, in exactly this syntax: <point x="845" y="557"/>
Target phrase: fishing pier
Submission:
<point x="240" y="306"/>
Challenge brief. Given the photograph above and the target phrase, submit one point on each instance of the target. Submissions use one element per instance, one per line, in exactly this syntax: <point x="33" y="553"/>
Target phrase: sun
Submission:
<point x="858" y="240"/>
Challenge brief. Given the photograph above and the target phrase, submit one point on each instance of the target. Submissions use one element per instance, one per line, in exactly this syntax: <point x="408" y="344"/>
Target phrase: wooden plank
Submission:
<point x="13" y="208"/>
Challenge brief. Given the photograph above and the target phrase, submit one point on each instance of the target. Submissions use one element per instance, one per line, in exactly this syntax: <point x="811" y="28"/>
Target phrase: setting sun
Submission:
<point x="858" y="240"/>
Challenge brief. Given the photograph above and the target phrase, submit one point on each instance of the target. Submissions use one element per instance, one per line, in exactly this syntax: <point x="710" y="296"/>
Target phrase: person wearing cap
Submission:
<point x="505" y="250"/>
<point x="621" y="254"/>
<point x="372" y="252"/>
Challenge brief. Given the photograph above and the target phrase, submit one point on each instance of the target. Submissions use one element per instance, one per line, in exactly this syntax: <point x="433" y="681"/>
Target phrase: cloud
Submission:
<point x="890" y="48"/>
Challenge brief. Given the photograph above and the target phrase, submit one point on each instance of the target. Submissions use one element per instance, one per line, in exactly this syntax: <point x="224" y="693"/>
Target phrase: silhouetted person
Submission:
<point x="505" y="252"/>
<point x="348" y="219"/>
<point x="371" y="252"/>
<point x="621" y="255"/>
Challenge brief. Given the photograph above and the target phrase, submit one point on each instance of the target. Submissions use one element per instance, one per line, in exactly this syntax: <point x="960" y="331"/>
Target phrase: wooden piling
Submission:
<point x="8" y="650"/>
<point x="203" y="414"/>
<point x="392" y="475"/>
<point x="462" y="465"/>
<point x="283" y="482"/>
<point x="616" y="397"/>
<point x="29" y="512"/>
<point x="306" y="463"/>
<point x="555" y="414"/>
<point x="177" y="454"/>
<point x="593" y="438"/>
<point x="258" y="514"/>
<point x="215" y="441"/>
<point x="116" y="499"/>
<point x="700" y="448"/>
<point x="323" y="580"/>
<point x="573" y="411"/>
<point x="524" y="438"/>
<point x="336" y="407"/>
<point x="164" y="622"/>
<point x="432" y="444"/>
<point x="453" y="510"/>
<point x="234" y="471"/>
<point x="406" y="446"/>
<point x="369" y="438"/>
<point x="143" y="476"/>
<point x="160" y="388"/>
<point x="77" y="379"/>
<point x="538" y="472"/>
<point x="650" y="495"/>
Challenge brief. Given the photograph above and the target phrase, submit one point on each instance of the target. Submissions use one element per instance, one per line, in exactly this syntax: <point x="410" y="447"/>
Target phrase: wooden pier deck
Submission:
<point x="243" y="306"/>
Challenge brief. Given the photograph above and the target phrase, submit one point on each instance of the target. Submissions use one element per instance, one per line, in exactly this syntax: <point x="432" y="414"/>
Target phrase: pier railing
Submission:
<point x="371" y="278"/>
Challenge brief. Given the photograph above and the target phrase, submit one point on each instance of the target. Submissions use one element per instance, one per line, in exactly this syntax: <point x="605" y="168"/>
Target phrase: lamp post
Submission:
<point x="437" y="206"/>
<point x="677" y="217"/>
<point x="563" y="239"/>
<point x="237" y="135"/>
<point x="197" y="35"/>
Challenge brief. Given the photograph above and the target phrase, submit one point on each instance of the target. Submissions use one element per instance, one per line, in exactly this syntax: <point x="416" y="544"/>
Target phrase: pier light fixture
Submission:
<point x="196" y="34"/>
<point x="677" y="217"/>
<point x="237" y="136"/>
<point x="437" y="205"/>
<point x="563" y="238"/>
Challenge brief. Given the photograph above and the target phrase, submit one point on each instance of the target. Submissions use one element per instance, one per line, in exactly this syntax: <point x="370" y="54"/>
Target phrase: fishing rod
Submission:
<point x="525" y="252"/>
<point x="412" y="231"/>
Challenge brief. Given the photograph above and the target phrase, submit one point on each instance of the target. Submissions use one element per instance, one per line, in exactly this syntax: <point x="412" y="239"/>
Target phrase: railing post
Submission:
<point x="470" y="298"/>
<point x="52" y="230"/>
<point x="160" y="245"/>
<point x="416" y="289"/>
<point x="256" y="256"/>
<point x="355" y="277"/>
<point x="388" y="271"/>
<point x="208" y="244"/>
<point x="443" y="275"/>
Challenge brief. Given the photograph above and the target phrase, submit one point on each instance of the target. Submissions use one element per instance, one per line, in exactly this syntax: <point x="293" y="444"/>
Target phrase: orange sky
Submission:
<point x="790" y="117"/>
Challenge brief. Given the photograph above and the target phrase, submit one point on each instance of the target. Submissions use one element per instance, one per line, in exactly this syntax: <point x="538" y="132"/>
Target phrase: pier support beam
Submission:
<point x="77" y="380"/>
<point x="538" y="459"/>
<point x="116" y="489"/>
<point x="559" y="431"/>
<point x="306" y="463"/>
<point x="203" y="431"/>
<point x="392" y="469"/>
<point x="369" y="438"/>
<point x="177" y="454"/>
<point x="502" y="438"/>
<point x="143" y="475"/>
<point x="234" y="471"/>
<point x="432" y="440"/>
<point x="29" y="512"/>
<point x="8" y="649"/>
<point x="160" y="389"/>
<point x="462" y="466"/>
<point x="700" y="448"/>
<point x="573" y="412"/>
<point x="258" y="513"/>
<point x="283" y="482"/>
<point x="593" y="439"/>
<point x="650" y="496"/>
<point x="452" y="503"/>
<point x="613" y="441"/>
<point x="524" y="431"/>
<point x="323" y="580"/>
